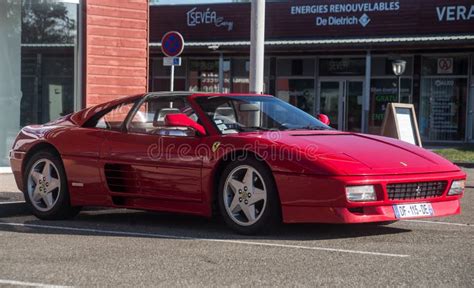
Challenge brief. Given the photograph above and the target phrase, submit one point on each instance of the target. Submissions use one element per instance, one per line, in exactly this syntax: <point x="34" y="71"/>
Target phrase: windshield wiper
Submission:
<point x="251" y="128"/>
<point x="309" y="128"/>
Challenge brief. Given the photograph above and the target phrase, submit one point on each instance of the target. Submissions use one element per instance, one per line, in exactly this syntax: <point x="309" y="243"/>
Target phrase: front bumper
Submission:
<point x="322" y="199"/>
<point x="299" y="214"/>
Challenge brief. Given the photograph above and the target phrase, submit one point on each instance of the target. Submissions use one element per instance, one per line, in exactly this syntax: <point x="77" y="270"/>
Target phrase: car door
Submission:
<point x="148" y="160"/>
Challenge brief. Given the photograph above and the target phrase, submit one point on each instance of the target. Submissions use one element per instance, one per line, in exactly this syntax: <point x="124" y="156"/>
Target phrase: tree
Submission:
<point x="46" y="22"/>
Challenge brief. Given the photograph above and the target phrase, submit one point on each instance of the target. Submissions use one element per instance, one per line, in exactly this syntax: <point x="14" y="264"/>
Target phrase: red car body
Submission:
<point x="311" y="188"/>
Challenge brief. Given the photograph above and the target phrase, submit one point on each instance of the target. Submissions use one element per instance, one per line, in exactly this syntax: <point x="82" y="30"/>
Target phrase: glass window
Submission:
<point x="203" y="75"/>
<point x="236" y="114"/>
<point x="38" y="42"/>
<point x="342" y="67"/>
<point x="240" y="75"/>
<point x="443" y="104"/>
<point x="382" y="66"/>
<point x="160" y="70"/>
<point x="113" y="120"/>
<point x="382" y="92"/>
<point x="150" y="117"/>
<point x="445" y="65"/>
<point x="295" y="67"/>
<point x="298" y="92"/>
<point x="164" y="84"/>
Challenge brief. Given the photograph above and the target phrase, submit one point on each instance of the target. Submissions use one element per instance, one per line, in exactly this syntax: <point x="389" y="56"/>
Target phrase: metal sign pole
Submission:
<point x="172" y="79"/>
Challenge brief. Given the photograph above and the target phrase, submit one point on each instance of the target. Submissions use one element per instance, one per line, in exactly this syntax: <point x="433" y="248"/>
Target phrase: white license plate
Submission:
<point x="413" y="210"/>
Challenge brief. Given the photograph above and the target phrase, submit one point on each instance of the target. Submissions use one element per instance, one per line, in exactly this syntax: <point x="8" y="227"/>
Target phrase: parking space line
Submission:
<point x="164" y="236"/>
<point x="28" y="284"/>
<point x="438" y="222"/>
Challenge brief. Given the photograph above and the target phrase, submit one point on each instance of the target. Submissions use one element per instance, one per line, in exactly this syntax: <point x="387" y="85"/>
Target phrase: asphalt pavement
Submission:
<point x="118" y="247"/>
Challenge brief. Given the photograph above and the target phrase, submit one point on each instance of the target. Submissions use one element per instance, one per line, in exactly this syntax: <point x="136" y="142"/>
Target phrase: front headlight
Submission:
<point x="361" y="193"/>
<point x="457" y="187"/>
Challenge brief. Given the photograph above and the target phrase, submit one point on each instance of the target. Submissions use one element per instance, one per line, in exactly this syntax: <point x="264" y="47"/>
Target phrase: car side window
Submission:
<point x="150" y="117"/>
<point x="113" y="119"/>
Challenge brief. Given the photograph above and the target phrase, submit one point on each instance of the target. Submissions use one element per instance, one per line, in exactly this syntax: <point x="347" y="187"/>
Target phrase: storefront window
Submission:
<point x="295" y="82"/>
<point x="203" y="75"/>
<point x="38" y="50"/>
<point x="297" y="92"/>
<point x="240" y="75"/>
<point x="161" y="75"/>
<point x="295" y="67"/>
<point x="383" y="92"/>
<point x="443" y="98"/>
<point x="342" y="67"/>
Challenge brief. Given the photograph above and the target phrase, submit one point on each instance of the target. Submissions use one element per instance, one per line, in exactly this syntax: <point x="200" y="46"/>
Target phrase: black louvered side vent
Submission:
<point x="121" y="178"/>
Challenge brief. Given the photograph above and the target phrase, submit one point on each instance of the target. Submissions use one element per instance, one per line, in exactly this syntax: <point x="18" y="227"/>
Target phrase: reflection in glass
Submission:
<point x="48" y="22"/>
<point x="48" y="71"/>
<point x="204" y="76"/>
<point x="443" y="109"/>
<point x="382" y="92"/>
<point x="330" y="101"/>
<point x="10" y="90"/>
<point x="297" y="92"/>
<point x="342" y="67"/>
<point x="354" y="95"/>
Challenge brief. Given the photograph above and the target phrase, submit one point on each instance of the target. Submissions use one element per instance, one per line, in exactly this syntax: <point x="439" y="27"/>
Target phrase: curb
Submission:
<point x="5" y="170"/>
<point x="465" y="164"/>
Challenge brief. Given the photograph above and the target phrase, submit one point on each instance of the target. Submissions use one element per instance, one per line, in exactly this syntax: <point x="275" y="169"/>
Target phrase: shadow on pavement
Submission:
<point x="13" y="210"/>
<point x="165" y="225"/>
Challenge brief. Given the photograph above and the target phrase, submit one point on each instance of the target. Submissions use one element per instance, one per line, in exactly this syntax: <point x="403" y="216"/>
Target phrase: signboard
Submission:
<point x="445" y="65"/>
<point x="172" y="44"/>
<point x="172" y="61"/>
<point x="315" y="19"/>
<point x="400" y="123"/>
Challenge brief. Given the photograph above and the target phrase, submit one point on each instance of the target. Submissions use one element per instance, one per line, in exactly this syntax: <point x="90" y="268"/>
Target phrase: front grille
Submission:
<point x="418" y="190"/>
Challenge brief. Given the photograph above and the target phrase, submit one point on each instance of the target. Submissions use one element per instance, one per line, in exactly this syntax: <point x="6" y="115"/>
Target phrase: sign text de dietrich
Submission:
<point x="355" y="8"/>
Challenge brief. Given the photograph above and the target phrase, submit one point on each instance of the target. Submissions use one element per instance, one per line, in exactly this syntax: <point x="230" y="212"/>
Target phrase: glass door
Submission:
<point x="329" y="101"/>
<point x="341" y="101"/>
<point x="353" y="95"/>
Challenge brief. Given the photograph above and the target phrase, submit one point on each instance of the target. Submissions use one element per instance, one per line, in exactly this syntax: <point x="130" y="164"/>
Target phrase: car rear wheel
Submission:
<point x="248" y="200"/>
<point x="46" y="189"/>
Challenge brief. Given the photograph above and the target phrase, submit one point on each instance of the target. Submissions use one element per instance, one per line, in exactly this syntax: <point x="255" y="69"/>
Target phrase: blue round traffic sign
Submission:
<point x="172" y="44"/>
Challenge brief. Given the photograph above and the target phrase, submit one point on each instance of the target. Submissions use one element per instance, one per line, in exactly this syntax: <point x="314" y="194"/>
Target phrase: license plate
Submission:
<point x="413" y="210"/>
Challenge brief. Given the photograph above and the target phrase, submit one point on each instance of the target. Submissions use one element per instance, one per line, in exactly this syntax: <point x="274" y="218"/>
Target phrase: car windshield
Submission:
<point x="234" y="114"/>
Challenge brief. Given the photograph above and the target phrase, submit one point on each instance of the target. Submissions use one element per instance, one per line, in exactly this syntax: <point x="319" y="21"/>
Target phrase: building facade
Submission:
<point x="331" y="57"/>
<point x="334" y="57"/>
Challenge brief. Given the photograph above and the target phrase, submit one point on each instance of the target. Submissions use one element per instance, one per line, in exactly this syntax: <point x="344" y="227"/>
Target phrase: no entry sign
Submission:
<point x="172" y="44"/>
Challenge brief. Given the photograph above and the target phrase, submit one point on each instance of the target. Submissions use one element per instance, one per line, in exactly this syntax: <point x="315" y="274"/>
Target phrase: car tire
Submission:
<point x="46" y="188"/>
<point x="242" y="198"/>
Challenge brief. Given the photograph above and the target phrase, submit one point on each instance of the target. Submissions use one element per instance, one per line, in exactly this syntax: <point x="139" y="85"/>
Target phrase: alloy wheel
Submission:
<point x="44" y="185"/>
<point x="245" y="195"/>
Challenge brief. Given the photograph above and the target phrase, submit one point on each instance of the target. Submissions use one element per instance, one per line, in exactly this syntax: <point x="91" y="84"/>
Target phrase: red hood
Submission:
<point x="360" y="154"/>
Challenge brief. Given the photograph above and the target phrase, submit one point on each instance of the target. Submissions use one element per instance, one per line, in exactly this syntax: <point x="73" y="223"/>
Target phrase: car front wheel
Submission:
<point x="248" y="199"/>
<point x="46" y="189"/>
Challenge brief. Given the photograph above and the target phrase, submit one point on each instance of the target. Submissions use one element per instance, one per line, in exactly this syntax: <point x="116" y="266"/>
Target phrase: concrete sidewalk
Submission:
<point x="7" y="183"/>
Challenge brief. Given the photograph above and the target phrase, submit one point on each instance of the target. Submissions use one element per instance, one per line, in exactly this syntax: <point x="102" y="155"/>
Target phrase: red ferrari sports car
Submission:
<point x="255" y="159"/>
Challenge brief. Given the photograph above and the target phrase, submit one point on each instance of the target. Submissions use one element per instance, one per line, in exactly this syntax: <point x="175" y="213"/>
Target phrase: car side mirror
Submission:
<point x="324" y="118"/>
<point x="182" y="120"/>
